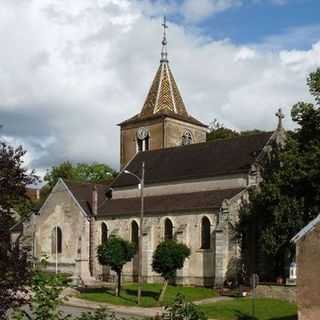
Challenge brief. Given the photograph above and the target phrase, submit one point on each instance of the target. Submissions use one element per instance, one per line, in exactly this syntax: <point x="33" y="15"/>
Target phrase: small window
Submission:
<point x="168" y="230"/>
<point x="135" y="233"/>
<point x="104" y="233"/>
<point x="187" y="138"/>
<point x="143" y="145"/>
<point x="56" y="245"/>
<point x="205" y="233"/>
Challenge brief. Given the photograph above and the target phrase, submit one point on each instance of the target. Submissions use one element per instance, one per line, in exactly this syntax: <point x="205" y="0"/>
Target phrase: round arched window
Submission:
<point x="104" y="232"/>
<point x="205" y="233"/>
<point x="187" y="138"/>
<point x="56" y="240"/>
<point x="135" y="233"/>
<point x="168" y="230"/>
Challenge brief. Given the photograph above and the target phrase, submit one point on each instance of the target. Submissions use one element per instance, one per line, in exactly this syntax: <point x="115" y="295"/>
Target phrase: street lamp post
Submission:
<point x="140" y="252"/>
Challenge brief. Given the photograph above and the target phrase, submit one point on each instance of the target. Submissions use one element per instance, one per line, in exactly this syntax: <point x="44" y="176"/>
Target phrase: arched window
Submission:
<point x="205" y="233"/>
<point x="135" y="233"/>
<point x="168" y="229"/>
<point x="104" y="233"/>
<point x="187" y="138"/>
<point x="56" y="238"/>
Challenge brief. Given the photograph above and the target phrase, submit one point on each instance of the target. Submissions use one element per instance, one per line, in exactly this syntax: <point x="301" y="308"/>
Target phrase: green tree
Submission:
<point x="289" y="196"/>
<point x="116" y="252"/>
<point x="168" y="257"/>
<point x="182" y="309"/>
<point x="218" y="131"/>
<point x="15" y="270"/>
<point x="63" y="170"/>
<point x="82" y="172"/>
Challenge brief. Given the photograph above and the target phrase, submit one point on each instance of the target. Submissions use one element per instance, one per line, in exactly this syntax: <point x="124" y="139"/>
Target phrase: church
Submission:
<point x="193" y="191"/>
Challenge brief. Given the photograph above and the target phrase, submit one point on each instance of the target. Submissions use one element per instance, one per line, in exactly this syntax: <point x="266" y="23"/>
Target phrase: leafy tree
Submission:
<point x="218" y="131"/>
<point x="289" y="196"/>
<point x="82" y="172"/>
<point x="116" y="252"/>
<point x="64" y="171"/>
<point x="182" y="309"/>
<point x="46" y="297"/>
<point x="168" y="257"/>
<point x="14" y="264"/>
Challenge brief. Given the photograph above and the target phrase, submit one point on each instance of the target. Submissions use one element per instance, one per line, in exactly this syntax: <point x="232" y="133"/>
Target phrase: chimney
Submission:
<point x="94" y="200"/>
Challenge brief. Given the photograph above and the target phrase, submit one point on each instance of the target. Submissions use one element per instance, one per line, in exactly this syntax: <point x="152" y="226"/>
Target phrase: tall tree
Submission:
<point x="14" y="265"/>
<point x="289" y="196"/>
<point x="83" y="172"/>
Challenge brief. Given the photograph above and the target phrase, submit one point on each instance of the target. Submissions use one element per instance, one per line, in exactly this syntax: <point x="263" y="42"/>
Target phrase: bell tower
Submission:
<point x="163" y="121"/>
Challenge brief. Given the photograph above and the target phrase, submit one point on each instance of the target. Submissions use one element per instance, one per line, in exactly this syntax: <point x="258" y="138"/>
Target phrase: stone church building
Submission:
<point x="193" y="190"/>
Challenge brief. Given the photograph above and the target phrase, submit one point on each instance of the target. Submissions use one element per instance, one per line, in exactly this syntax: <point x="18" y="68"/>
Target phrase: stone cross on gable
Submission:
<point x="280" y="116"/>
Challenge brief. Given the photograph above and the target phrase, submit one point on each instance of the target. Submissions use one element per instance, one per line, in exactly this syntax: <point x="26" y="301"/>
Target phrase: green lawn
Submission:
<point x="150" y="293"/>
<point x="240" y="309"/>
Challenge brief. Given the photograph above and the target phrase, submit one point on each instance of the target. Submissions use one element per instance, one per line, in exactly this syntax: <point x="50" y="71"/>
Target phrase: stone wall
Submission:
<point x="128" y="143"/>
<point x="164" y="133"/>
<point x="308" y="279"/>
<point x="186" y="229"/>
<point x="277" y="292"/>
<point x="175" y="129"/>
<point x="61" y="210"/>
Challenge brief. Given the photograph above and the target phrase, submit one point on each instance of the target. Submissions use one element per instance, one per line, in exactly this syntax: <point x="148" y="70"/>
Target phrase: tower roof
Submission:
<point x="164" y="98"/>
<point x="164" y="95"/>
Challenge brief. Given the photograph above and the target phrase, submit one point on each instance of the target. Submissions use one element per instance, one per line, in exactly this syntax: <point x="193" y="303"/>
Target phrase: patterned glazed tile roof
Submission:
<point x="163" y="99"/>
<point x="164" y="94"/>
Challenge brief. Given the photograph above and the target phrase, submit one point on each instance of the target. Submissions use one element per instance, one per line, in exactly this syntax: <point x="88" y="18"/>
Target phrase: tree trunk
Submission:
<point x="118" y="284"/>
<point x="163" y="291"/>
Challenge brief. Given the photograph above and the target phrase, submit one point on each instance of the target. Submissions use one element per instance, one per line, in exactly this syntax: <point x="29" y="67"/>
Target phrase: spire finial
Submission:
<point x="280" y="116"/>
<point x="164" y="54"/>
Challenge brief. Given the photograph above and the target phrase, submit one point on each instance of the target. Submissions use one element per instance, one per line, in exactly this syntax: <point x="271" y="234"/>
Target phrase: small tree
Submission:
<point x="116" y="252"/>
<point x="167" y="259"/>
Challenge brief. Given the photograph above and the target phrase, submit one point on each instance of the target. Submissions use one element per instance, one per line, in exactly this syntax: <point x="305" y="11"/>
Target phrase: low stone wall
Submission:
<point x="277" y="292"/>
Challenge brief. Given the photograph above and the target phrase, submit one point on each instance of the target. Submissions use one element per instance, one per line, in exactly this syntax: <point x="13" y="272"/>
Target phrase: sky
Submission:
<point x="71" y="70"/>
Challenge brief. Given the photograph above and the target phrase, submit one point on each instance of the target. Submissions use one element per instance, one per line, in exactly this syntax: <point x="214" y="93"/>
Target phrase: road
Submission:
<point x="76" y="311"/>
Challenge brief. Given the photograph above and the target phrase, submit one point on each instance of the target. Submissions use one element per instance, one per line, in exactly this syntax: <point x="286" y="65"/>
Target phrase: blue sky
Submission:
<point x="254" y="21"/>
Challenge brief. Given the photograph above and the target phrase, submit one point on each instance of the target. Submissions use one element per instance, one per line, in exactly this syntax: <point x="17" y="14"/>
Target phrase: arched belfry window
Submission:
<point x="187" y="138"/>
<point x="135" y="233"/>
<point x="104" y="233"/>
<point x="56" y="240"/>
<point x="205" y="233"/>
<point x="168" y="229"/>
<point x="143" y="139"/>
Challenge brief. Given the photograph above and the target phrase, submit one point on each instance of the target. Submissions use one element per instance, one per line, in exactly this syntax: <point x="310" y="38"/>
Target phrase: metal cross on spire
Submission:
<point x="280" y="116"/>
<point x="164" y="53"/>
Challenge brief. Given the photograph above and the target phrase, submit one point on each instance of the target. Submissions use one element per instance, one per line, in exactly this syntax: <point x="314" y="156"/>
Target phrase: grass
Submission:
<point x="150" y="294"/>
<point x="240" y="309"/>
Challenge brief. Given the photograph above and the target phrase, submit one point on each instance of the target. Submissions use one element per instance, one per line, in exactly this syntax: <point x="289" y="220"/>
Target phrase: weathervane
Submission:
<point x="164" y="54"/>
<point x="280" y="115"/>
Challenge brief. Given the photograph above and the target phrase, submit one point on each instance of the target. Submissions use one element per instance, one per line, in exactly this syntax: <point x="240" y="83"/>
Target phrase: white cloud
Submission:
<point x="195" y="10"/>
<point x="70" y="71"/>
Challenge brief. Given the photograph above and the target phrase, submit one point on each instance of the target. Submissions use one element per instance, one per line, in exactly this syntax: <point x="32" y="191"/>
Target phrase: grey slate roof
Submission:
<point x="196" y="161"/>
<point x="153" y="205"/>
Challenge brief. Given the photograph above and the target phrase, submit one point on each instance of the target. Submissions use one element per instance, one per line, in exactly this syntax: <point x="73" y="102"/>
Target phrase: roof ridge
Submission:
<point x="84" y="182"/>
<point x="193" y="145"/>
